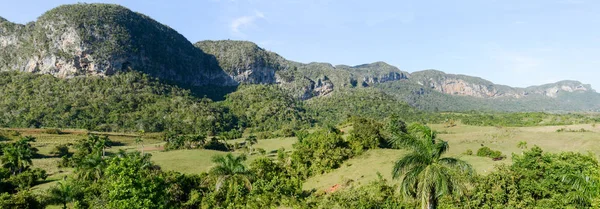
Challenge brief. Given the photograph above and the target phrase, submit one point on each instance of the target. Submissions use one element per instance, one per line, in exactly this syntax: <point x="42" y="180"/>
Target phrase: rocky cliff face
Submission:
<point x="460" y="87"/>
<point x="473" y="86"/>
<point x="247" y="63"/>
<point x="244" y="61"/>
<point x="554" y="89"/>
<point x="101" y="40"/>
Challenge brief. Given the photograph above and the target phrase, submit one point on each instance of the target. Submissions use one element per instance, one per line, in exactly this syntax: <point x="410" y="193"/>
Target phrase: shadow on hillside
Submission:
<point x="215" y="85"/>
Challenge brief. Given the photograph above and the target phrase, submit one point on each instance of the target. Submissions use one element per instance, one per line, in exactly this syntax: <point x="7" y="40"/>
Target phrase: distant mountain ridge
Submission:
<point x="104" y="39"/>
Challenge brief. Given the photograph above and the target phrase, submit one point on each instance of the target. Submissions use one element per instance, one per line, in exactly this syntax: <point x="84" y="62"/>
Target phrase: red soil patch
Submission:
<point x="333" y="188"/>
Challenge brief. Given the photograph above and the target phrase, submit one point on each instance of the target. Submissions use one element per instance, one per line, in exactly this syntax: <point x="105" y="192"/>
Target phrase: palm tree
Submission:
<point x="522" y="145"/>
<point x="104" y="143"/>
<point x="17" y="156"/>
<point x="425" y="174"/>
<point x="64" y="193"/>
<point x="140" y="141"/>
<point x="197" y="141"/>
<point x="587" y="188"/>
<point x="251" y="140"/>
<point x="90" y="168"/>
<point x="230" y="170"/>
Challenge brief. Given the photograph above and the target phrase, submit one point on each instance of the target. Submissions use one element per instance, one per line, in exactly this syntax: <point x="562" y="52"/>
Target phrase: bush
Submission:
<point x="55" y="131"/>
<point x="301" y="134"/>
<point x="320" y="152"/>
<point x="28" y="178"/>
<point x="6" y="135"/>
<point x="60" y="150"/>
<point x="366" y="135"/>
<point x="287" y="132"/>
<point x="261" y="151"/>
<point x="265" y="135"/>
<point x="469" y="152"/>
<point x="215" y="144"/>
<point x="229" y="135"/>
<point x="22" y="199"/>
<point x="487" y="152"/>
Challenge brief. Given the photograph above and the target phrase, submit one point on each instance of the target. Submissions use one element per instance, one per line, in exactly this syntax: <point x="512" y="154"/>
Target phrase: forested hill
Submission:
<point x="83" y="40"/>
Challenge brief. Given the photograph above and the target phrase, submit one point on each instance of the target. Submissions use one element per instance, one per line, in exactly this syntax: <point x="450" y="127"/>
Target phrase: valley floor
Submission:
<point x="356" y="171"/>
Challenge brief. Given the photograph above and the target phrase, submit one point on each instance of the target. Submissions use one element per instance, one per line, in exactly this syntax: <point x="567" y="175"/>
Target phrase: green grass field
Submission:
<point x="363" y="169"/>
<point x="358" y="170"/>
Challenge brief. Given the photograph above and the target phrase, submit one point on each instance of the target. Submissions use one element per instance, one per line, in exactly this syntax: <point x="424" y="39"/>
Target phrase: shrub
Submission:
<point x="215" y="144"/>
<point x="320" y="152"/>
<point x="28" y="178"/>
<point x="301" y="134"/>
<point x="572" y="130"/>
<point x="60" y="150"/>
<point x="287" y="132"/>
<point x="55" y="131"/>
<point x="229" y="135"/>
<point x="265" y="135"/>
<point x="469" y="152"/>
<point x="366" y="135"/>
<point x="261" y="151"/>
<point x="6" y="135"/>
<point x="487" y="152"/>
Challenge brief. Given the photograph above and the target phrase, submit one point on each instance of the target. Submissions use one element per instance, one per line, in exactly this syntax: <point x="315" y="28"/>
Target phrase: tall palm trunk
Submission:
<point x="432" y="200"/>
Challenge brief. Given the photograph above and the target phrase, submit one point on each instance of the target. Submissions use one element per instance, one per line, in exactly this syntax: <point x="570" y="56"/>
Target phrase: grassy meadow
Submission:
<point x="356" y="171"/>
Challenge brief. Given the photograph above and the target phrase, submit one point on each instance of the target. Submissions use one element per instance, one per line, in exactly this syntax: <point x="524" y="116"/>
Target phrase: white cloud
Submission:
<point x="245" y="21"/>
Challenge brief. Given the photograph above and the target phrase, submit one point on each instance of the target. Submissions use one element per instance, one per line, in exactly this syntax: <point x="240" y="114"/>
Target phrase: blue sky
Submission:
<point x="512" y="42"/>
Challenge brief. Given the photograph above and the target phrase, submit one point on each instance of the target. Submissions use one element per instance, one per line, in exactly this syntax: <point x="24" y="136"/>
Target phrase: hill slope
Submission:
<point x="83" y="40"/>
<point x="102" y="39"/>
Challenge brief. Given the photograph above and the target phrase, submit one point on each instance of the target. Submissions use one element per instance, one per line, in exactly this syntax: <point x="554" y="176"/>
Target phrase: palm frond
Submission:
<point x="409" y="162"/>
<point x="439" y="148"/>
<point x="462" y="166"/>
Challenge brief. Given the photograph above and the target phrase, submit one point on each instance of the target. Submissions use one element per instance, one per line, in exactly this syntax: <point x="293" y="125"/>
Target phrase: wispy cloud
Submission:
<point x="245" y="21"/>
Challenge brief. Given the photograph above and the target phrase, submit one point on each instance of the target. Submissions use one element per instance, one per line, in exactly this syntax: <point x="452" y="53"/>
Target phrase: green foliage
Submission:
<point x="416" y="94"/>
<point x="266" y="108"/>
<point x="17" y="156"/>
<point x="366" y="134"/>
<point x="522" y="145"/>
<point x="131" y="182"/>
<point x="523" y="119"/>
<point x="363" y="102"/>
<point x="112" y="33"/>
<point x="275" y="178"/>
<point x="320" y="152"/>
<point x="60" y="150"/>
<point x="426" y="175"/>
<point x="65" y="192"/>
<point x="6" y="135"/>
<point x="376" y="194"/>
<point x="536" y="179"/>
<point x="235" y="55"/>
<point x="487" y="152"/>
<point x="53" y="131"/>
<point x="232" y="179"/>
<point x="175" y="141"/>
<point x="88" y="160"/>
<point x="123" y="102"/>
<point x="229" y="135"/>
<point x="28" y="178"/>
<point x="571" y="130"/>
<point x="21" y="200"/>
